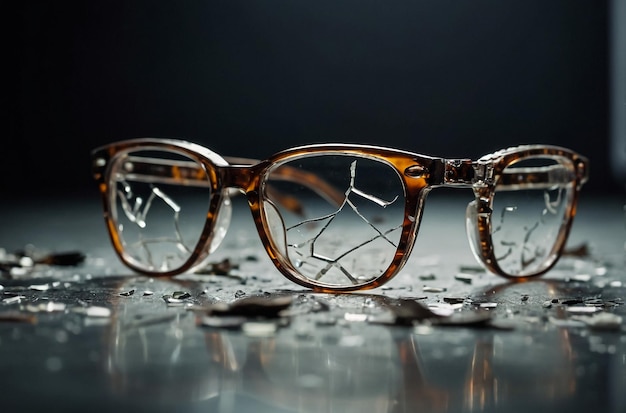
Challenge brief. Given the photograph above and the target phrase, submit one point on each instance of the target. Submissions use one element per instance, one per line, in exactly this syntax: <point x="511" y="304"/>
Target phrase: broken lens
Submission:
<point x="531" y="209"/>
<point x="159" y="201"/>
<point x="346" y="240"/>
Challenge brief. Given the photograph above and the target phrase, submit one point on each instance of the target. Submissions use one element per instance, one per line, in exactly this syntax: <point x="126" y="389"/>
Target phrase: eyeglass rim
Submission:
<point x="416" y="188"/>
<point x="103" y="160"/>
<point x="485" y="195"/>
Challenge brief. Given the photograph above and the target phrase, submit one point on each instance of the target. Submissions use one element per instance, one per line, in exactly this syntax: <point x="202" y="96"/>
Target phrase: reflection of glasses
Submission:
<point x="333" y="217"/>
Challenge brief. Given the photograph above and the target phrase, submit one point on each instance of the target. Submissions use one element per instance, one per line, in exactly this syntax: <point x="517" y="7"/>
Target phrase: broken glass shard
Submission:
<point x="429" y="289"/>
<point x="180" y="295"/>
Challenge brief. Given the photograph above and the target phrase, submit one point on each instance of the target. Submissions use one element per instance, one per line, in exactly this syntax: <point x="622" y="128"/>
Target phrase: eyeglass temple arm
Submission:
<point x="543" y="177"/>
<point x="290" y="174"/>
<point x="465" y="172"/>
<point x="188" y="173"/>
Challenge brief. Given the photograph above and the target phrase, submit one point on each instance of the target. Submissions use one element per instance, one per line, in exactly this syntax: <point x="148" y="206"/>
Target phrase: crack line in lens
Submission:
<point x="138" y="215"/>
<point x="330" y="217"/>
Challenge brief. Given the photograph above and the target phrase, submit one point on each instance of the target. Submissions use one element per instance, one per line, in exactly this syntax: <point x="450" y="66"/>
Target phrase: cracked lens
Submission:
<point x="159" y="221"/>
<point x="527" y="221"/>
<point x="346" y="244"/>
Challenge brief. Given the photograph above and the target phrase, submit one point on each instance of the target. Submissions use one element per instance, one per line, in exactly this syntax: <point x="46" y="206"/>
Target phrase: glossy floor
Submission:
<point x="440" y="337"/>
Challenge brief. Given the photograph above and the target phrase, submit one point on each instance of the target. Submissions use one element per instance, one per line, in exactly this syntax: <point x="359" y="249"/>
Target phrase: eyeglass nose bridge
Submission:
<point x="244" y="178"/>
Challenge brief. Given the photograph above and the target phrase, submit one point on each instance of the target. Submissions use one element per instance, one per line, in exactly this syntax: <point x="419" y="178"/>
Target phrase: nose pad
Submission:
<point x="471" y="227"/>
<point x="275" y="227"/>
<point x="221" y="225"/>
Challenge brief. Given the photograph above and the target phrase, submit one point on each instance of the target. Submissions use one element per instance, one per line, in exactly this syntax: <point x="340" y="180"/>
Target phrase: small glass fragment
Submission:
<point x="16" y="299"/>
<point x="171" y="301"/>
<point x="580" y="278"/>
<point x="471" y="269"/>
<point x="487" y="305"/>
<point x="148" y="292"/>
<point x="39" y="287"/>
<point x="464" y="277"/>
<point x="180" y="295"/>
<point x="525" y="298"/>
<point x="454" y="300"/>
<point x="428" y="289"/>
<point x="427" y="277"/>
<point x="239" y="293"/>
<point x="127" y="293"/>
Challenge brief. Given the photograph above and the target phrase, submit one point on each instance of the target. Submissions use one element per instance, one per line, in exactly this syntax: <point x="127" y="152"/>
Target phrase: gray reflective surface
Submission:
<point x="95" y="337"/>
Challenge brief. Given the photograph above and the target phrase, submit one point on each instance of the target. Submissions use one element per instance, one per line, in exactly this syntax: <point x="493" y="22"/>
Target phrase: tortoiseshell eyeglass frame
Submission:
<point x="418" y="174"/>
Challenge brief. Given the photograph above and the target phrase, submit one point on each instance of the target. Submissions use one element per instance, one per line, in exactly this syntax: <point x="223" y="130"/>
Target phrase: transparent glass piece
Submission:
<point x="531" y="206"/>
<point x="348" y="242"/>
<point x="471" y="227"/>
<point x="159" y="201"/>
<point x="276" y="226"/>
<point x="222" y="223"/>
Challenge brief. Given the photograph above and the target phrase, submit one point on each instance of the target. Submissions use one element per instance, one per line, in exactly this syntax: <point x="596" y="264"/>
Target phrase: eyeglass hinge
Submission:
<point x="459" y="172"/>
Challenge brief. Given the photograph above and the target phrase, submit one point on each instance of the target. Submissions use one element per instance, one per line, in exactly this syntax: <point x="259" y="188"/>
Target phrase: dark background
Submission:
<point x="445" y="78"/>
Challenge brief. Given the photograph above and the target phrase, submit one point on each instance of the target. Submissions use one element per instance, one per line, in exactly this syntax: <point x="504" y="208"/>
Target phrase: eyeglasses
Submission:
<point x="333" y="217"/>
